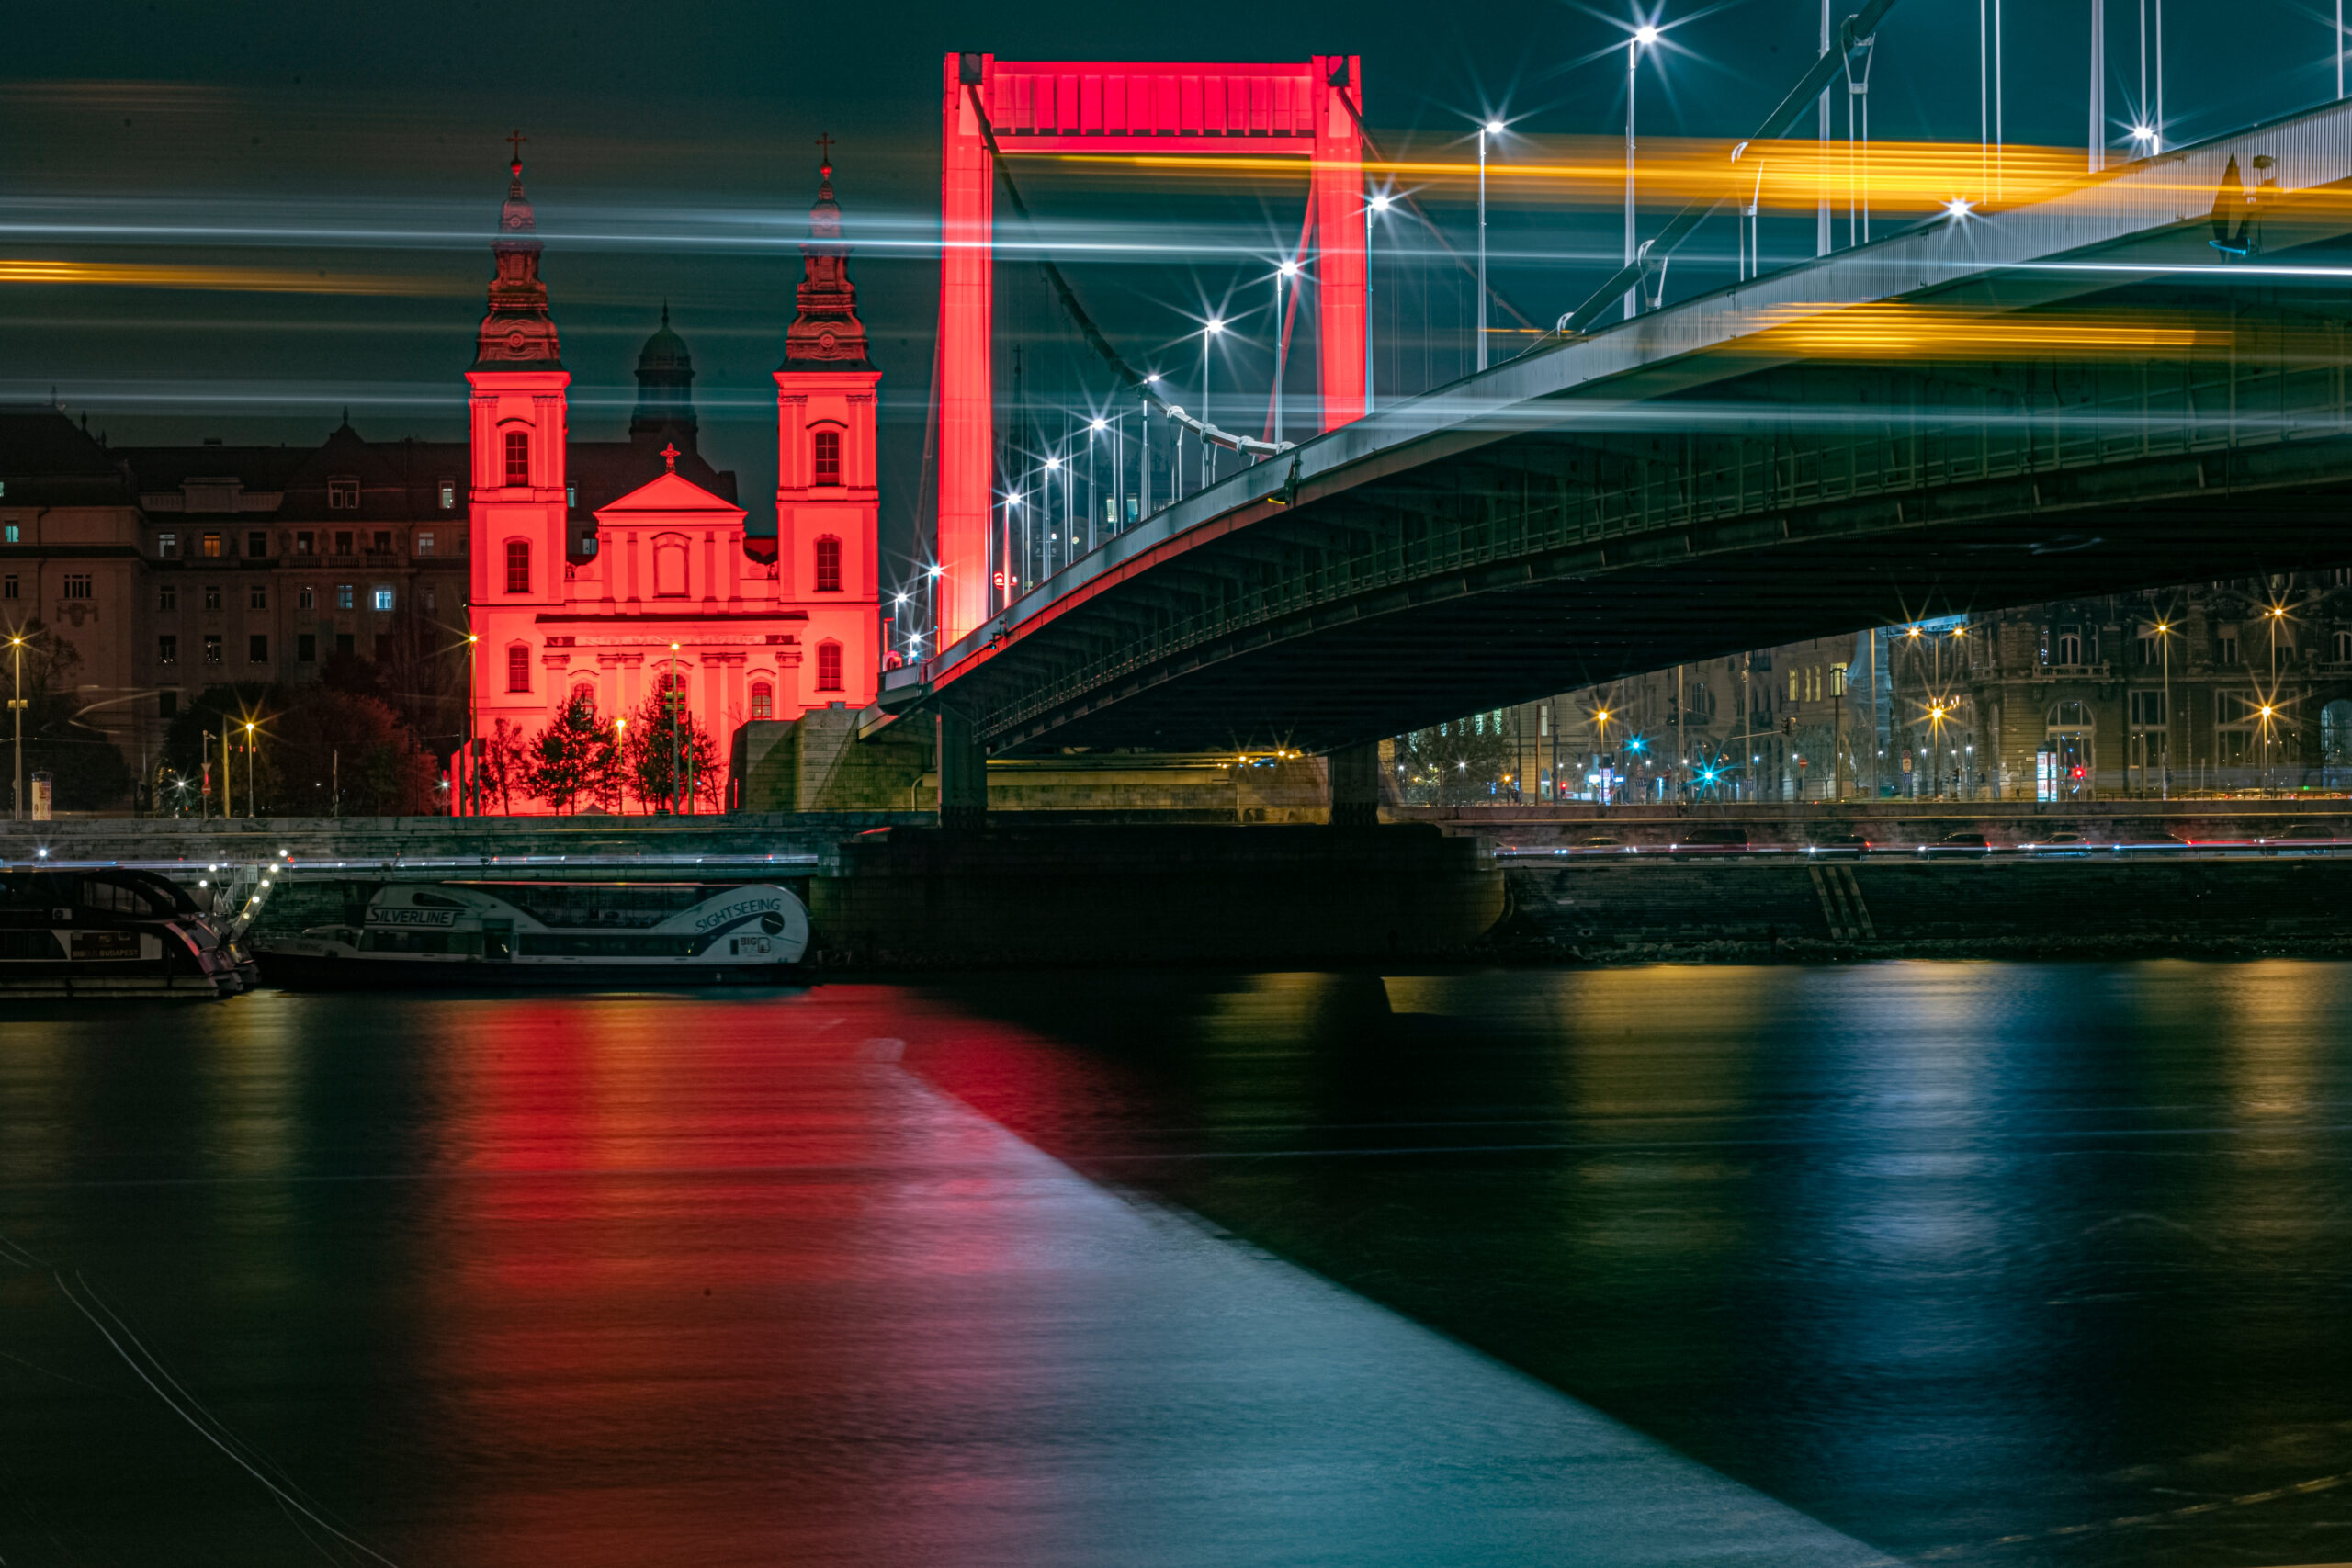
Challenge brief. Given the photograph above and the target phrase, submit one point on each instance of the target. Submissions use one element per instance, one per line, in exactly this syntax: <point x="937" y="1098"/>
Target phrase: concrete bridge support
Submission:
<point x="963" y="773"/>
<point x="1354" y="773"/>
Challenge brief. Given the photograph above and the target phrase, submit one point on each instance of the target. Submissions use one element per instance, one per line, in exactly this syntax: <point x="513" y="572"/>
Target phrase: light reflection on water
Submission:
<point x="1937" y="1254"/>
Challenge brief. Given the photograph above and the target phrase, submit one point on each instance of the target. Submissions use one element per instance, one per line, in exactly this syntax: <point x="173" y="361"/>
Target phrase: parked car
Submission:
<point x="1959" y="844"/>
<point x="1712" y="841"/>
<point x="2158" y="843"/>
<point x="1601" y="844"/>
<point x="2064" y="844"/>
<point x="1836" y="844"/>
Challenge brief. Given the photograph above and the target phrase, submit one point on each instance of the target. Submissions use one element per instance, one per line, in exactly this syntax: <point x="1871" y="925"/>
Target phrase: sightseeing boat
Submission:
<point x="114" y="931"/>
<point x="549" y="934"/>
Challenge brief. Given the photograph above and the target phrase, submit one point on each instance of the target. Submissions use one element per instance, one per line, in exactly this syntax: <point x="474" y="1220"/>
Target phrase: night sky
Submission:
<point x="356" y="153"/>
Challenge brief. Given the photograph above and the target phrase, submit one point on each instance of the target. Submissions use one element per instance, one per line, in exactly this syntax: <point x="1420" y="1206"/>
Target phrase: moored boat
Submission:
<point x="112" y="931"/>
<point x="524" y="932"/>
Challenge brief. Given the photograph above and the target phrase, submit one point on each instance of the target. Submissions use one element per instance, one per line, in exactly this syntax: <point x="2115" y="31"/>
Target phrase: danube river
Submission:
<point x="1916" y="1262"/>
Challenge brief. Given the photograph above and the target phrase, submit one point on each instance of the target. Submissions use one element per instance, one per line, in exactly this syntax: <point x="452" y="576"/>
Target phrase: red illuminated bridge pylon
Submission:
<point x="1307" y="109"/>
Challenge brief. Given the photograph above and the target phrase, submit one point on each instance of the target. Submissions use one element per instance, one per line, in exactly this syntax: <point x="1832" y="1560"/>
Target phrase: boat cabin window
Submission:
<point x="114" y="896"/>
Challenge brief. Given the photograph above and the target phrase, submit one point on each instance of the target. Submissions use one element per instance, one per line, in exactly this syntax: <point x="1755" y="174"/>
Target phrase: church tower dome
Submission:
<point x="517" y="332"/>
<point x="826" y="334"/>
<point x="665" y="379"/>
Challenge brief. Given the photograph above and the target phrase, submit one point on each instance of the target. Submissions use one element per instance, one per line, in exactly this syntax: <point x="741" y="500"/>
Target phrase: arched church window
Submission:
<point x="827" y="455"/>
<point x="519" y="668"/>
<point x="670" y="567"/>
<point x="519" y="566"/>
<point x="828" y="565"/>
<point x="829" y="667"/>
<point x="518" y="457"/>
<point x="763" y="700"/>
<point x="583" y="697"/>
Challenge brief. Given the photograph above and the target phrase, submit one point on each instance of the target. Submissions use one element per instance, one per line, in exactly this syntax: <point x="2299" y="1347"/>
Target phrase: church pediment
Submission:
<point x="671" y="497"/>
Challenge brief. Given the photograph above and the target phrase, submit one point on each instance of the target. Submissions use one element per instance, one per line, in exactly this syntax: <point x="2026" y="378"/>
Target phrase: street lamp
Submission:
<point x="249" y="769"/>
<point x="17" y="710"/>
<point x="1283" y="274"/>
<point x="2164" y="635"/>
<point x="1211" y="329"/>
<point x="1644" y="35"/>
<point x="1493" y="127"/>
<point x="470" y="798"/>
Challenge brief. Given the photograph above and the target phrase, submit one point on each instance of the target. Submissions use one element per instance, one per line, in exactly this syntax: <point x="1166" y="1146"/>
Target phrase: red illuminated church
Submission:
<point x="617" y="569"/>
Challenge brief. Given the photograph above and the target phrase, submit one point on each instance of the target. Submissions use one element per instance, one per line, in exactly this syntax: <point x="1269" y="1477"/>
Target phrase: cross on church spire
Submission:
<point x="825" y="152"/>
<point x="516" y="139"/>
<point x="670" y="455"/>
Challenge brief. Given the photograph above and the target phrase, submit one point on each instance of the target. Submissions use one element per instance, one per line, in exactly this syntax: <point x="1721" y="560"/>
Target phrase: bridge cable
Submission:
<point x="1085" y="323"/>
<point x="1858" y="26"/>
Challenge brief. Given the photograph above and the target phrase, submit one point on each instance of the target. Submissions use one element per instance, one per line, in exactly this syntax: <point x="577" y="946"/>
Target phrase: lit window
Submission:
<point x="827" y="453"/>
<point x="383" y="597"/>
<point x="424" y="544"/>
<point x="518" y="457"/>
<point x="448" y="495"/>
<point x="763" y="700"/>
<point x="829" y="667"/>
<point x="305" y="599"/>
<point x="167" y="650"/>
<point x="519" y="566"/>
<point x="77" y="586"/>
<point x="342" y="494"/>
<point x="343" y="598"/>
<point x="212" y="545"/>
<point x="518" y="669"/>
<point x="165" y="543"/>
<point x="828" y="565"/>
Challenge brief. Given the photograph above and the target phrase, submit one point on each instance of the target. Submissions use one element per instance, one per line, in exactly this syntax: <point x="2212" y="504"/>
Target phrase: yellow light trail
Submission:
<point x="240" y="279"/>
<point x="1893" y="330"/>
<point x="1895" y="176"/>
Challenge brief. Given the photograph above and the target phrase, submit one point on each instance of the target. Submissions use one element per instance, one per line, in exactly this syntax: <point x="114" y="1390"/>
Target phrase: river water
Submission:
<point x="1923" y="1262"/>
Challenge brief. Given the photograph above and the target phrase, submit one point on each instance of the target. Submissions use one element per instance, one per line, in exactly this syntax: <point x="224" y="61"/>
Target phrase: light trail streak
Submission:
<point x="237" y="279"/>
<point x="1895" y="330"/>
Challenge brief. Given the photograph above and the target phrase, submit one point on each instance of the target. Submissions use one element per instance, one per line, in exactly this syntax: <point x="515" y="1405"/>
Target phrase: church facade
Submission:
<point x="644" y="579"/>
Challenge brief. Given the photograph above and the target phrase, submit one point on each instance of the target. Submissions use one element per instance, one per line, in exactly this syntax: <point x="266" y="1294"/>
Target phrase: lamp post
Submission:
<point x="17" y="711"/>
<point x="1644" y="35"/>
<point x="669" y="701"/>
<point x="1143" y="450"/>
<point x="1214" y="325"/>
<point x="250" y="811"/>
<point x="2164" y="638"/>
<point x="469" y="795"/>
<point x="1492" y="127"/>
<point x="1283" y="274"/>
<point x="1379" y="203"/>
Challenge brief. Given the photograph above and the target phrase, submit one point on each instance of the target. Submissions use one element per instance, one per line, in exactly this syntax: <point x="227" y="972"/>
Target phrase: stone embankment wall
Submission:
<point x="1605" y="910"/>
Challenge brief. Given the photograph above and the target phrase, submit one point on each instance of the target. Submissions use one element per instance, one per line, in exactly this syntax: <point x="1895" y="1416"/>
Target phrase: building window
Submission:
<point x="2343" y="643"/>
<point x="828" y="565"/>
<point x="829" y="667"/>
<point x="448" y="495"/>
<point x="424" y="544"/>
<point x="763" y="700"/>
<point x="257" y="648"/>
<point x="212" y="595"/>
<point x="306" y="598"/>
<point x="518" y="457"/>
<point x="2070" y="648"/>
<point x="432" y="599"/>
<point x="572" y="495"/>
<point x="256" y="544"/>
<point x="258" y="597"/>
<point x="342" y="596"/>
<point x="383" y="596"/>
<point x="383" y="541"/>
<point x="585" y="696"/>
<point x="212" y="647"/>
<point x="9" y="586"/>
<point x="306" y="647"/>
<point x="518" y="669"/>
<point x="212" y="547"/>
<point x="167" y="597"/>
<point x="77" y="586"/>
<point x="167" y="704"/>
<point x="2225" y="648"/>
<point x="342" y="494"/>
<point x="8" y="534"/>
<point x="167" y="649"/>
<point x="519" y="566"/>
<point x="166" y="544"/>
<point x="345" y="643"/>
<point x="343" y="542"/>
<point x="303" y="542"/>
<point x="828" y="465"/>
<point x="2147" y="708"/>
